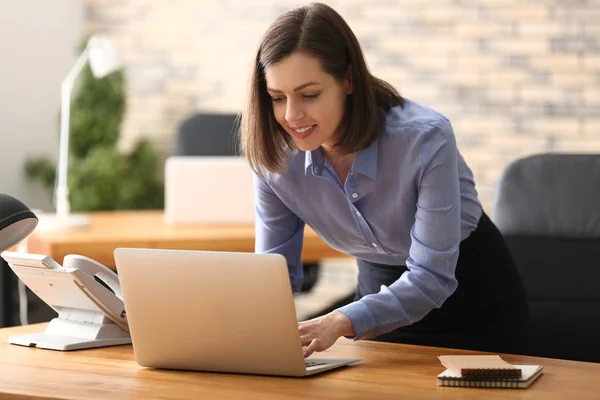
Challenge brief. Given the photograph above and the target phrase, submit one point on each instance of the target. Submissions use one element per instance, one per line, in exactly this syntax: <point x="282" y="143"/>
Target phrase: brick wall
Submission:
<point x="515" y="77"/>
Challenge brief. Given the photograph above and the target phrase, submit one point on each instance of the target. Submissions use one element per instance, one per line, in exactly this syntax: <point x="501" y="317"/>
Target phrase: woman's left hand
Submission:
<point x="321" y="333"/>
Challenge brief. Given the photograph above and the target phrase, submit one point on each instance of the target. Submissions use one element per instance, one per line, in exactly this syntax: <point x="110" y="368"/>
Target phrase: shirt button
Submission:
<point x="354" y="195"/>
<point x="358" y="213"/>
<point x="352" y="173"/>
<point x="374" y="245"/>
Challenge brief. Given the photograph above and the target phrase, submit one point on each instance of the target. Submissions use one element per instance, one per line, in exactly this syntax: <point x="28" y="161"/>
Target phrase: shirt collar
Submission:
<point x="365" y="161"/>
<point x="314" y="159"/>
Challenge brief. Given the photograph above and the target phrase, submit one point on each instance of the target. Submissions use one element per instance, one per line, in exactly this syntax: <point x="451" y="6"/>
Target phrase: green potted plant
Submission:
<point x="100" y="177"/>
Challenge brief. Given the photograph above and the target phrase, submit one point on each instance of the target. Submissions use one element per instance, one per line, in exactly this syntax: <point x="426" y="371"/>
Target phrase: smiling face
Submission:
<point x="308" y="102"/>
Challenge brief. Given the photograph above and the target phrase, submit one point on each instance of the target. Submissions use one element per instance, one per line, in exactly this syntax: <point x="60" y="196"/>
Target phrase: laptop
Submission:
<point x="208" y="190"/>
<point x="214" y="311"/>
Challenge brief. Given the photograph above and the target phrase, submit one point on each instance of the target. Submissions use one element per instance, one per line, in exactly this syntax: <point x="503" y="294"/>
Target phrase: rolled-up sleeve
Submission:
<point x="278" y="230"/>
<point x="435" y="239"/>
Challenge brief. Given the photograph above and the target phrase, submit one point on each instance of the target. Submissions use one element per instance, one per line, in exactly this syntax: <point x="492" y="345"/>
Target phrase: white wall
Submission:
<point x="38" y="40"/>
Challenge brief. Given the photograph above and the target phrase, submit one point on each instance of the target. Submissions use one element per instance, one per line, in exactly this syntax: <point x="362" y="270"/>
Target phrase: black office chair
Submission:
<point x="207" y="135"/>
<point x="215" y="135"/>
<point x="548" y="208"/>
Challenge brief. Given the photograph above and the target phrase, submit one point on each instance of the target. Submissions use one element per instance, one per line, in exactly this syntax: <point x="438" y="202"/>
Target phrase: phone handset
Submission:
<point x="93" y="268"/>
<point x="97" y="281"/>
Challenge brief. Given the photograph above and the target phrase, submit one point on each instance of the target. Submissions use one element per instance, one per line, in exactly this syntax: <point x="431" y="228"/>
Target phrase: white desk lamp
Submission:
<point x="104" y="59"/>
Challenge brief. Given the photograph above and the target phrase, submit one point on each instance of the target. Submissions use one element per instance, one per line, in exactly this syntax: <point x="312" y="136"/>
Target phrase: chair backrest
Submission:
<point x="207" y="135"/>
<point x="548" y="209"/>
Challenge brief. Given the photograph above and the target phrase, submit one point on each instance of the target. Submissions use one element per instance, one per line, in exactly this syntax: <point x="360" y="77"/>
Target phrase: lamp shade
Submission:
<point x="104" y="56"/>
<point x="16" y="221"/>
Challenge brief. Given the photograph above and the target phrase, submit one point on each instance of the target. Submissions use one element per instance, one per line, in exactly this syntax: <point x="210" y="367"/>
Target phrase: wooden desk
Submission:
<point x="109" y="230"/>
<point x="387" y="371"/>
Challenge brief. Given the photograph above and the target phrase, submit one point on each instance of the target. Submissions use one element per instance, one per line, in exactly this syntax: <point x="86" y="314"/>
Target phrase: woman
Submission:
<point x="380" y="178"/>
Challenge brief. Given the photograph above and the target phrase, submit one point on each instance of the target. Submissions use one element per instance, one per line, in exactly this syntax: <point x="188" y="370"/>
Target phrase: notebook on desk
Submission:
<point x="214" y="311"/>
<point x="486" y="371"/>
<point x="529" y="374"/>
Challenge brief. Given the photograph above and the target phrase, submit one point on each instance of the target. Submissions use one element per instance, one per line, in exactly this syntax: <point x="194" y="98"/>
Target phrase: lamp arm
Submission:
<point x="62" y="189"/>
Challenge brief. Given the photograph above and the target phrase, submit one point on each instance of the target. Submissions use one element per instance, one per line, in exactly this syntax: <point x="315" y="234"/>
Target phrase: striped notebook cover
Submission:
<point x="529" y="374"/>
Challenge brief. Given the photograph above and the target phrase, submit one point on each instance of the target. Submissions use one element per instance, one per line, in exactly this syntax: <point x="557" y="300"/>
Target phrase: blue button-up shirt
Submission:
<point x="409" y="199"/>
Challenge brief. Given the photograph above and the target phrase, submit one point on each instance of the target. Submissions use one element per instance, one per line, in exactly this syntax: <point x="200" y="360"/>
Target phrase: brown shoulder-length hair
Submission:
<point x="317" y="30"/>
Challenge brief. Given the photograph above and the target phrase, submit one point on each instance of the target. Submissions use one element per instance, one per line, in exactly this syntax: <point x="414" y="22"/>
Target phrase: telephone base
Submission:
<point x="68" y="335"/>
<point x="63" y="343"/>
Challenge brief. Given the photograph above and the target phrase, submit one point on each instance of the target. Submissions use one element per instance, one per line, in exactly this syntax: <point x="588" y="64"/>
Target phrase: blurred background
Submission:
<point x="515" y="77"/>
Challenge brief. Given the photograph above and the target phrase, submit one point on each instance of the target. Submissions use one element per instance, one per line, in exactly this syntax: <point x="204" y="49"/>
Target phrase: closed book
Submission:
<point x="529" y="373"/>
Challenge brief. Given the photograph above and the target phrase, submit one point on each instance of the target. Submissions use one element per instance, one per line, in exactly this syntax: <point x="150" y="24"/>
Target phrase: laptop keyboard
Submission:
<point x="313" y="363"/>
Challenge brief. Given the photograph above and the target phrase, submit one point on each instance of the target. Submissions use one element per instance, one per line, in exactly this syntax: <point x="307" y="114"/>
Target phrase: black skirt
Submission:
<point x="487" y="312"/>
